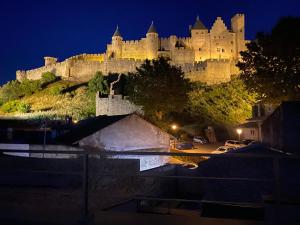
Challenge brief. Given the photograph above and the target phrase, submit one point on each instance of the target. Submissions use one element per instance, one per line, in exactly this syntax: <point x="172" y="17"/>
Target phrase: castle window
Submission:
<point x="231" y="50"/>
<point x="218" y="49"/>
<point x="252" y="132"/>
<point x="231" y="42"/>
<point x="223" y="50"/>
<point x="199" y="49"/>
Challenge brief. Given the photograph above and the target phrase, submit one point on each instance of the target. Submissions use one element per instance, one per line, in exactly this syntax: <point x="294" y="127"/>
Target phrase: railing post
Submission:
<point x="85" y="189"/>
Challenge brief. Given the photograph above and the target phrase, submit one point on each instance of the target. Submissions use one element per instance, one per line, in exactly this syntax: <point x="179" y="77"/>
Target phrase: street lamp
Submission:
<point x="239" y="131"/>
<point x="174" y="127"/>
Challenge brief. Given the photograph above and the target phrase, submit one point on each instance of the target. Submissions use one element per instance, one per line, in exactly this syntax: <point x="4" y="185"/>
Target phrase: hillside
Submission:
<point x="57" y="99"/>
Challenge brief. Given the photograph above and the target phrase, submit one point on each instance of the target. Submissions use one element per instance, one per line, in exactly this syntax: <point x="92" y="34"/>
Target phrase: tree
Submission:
<point x="158" y="87"/>
<point x="98" y="83"/>
<point x="271" y="65"/>
<point x="28" y="87"/>
<point x="10" y="91"/>
<point x="224" y="104"/>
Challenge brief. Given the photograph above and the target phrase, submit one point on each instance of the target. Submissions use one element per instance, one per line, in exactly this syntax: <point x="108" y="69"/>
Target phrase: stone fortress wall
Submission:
<point x="208" y="55"/>
<point x="115" y="105"/>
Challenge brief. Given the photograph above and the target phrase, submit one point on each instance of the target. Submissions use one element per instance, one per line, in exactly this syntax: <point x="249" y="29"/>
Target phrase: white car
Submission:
<point x="234" y="144"/>
<point x="200" y="140"/>
<point x="190" y="165"/>
<point x="223" y="149"/>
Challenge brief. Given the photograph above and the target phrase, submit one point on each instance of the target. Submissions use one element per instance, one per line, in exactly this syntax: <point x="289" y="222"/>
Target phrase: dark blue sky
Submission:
<point x="33" y="29"/>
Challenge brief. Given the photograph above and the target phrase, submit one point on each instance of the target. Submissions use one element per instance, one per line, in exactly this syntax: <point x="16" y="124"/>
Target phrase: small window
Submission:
<point x="252" y="132"/>
<point x="231" y="42"/>
<point x="199" y="49"/>
<point x="223" y="50"/>
<point x="218" y="49"/>
<point x="231" y="50"/>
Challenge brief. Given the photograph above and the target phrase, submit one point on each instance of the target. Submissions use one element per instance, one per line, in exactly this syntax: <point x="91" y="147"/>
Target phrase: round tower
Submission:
<point x="152" y="42"/>
<point x="50" y="60"/>
<point x="116" y="43"/>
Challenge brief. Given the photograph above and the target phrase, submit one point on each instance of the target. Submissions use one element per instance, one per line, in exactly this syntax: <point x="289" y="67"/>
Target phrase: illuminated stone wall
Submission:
<point x="114" y="105"/>
<point x="208" y="55"/>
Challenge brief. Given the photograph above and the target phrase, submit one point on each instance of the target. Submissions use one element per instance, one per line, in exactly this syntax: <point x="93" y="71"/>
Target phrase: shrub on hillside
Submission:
<point x="10" y="106"/>
<point x="28" y="87"/>
<point x="23" y="107"/>
<point x="10" y="91"/>
<point x="15" y="106"/>
<point x="56" y="90"/>
<point x="48" y="78"/>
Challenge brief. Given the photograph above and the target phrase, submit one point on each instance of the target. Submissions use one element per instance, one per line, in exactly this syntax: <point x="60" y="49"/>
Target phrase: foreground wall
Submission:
<point x="281" y="129"/>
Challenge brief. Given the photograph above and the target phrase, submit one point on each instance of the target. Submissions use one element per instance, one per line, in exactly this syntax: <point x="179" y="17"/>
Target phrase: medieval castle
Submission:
<point x="207" y="55"/>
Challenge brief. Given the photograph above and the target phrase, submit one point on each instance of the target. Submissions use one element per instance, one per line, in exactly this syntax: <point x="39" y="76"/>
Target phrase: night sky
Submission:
<point x="32" y="29"/>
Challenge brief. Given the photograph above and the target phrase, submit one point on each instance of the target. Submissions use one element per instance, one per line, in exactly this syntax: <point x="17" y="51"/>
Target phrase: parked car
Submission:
<point x="248" y="141"/>
<point x="190" y="165"/>
<point x="223" y="149"/>
<point x="184" y="146"/>
<point x="200" y="140"/>
<point x="234" y="144"/>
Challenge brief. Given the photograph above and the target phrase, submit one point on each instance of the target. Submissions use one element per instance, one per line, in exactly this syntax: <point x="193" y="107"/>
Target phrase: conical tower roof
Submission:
<point x="152" y="29"/>
<point x="117" y="32"/>
<point x="198" y="25"/>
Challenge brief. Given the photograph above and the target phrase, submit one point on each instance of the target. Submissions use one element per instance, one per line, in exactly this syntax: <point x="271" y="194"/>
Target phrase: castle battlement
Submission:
<point x="208" y="54"/>
<point x="132" y="42"/>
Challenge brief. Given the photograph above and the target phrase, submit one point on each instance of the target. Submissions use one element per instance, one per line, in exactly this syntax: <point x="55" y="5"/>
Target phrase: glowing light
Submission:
<point x="174" y="127"/>
<point x="239" y="131"/>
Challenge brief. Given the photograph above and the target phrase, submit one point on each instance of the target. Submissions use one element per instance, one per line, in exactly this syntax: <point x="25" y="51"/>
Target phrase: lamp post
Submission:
<point x="239" y="131"/>
<point x="174" y="127"/>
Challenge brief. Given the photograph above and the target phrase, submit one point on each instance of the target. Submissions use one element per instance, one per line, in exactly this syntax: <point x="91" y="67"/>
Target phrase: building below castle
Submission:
<point x="207" y="55"/>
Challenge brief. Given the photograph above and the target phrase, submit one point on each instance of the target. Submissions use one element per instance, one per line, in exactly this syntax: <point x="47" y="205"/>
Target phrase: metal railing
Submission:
<point x="104" y="154"/>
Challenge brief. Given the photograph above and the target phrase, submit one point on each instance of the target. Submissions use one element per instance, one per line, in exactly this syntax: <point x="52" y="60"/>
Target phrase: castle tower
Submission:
<point x="50" y="60"/>
<point x="152" y="42"/>
<point x="117" y="42"/>
<point x="238" y="27"/>
<point x="198" y="36"/>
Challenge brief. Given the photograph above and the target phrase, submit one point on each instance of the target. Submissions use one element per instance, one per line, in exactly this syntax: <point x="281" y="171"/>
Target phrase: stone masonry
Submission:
<point x="207" y="55"/>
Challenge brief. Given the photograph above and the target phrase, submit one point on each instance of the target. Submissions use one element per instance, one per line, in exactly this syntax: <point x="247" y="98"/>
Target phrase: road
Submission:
<point x="206" y="148"/>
